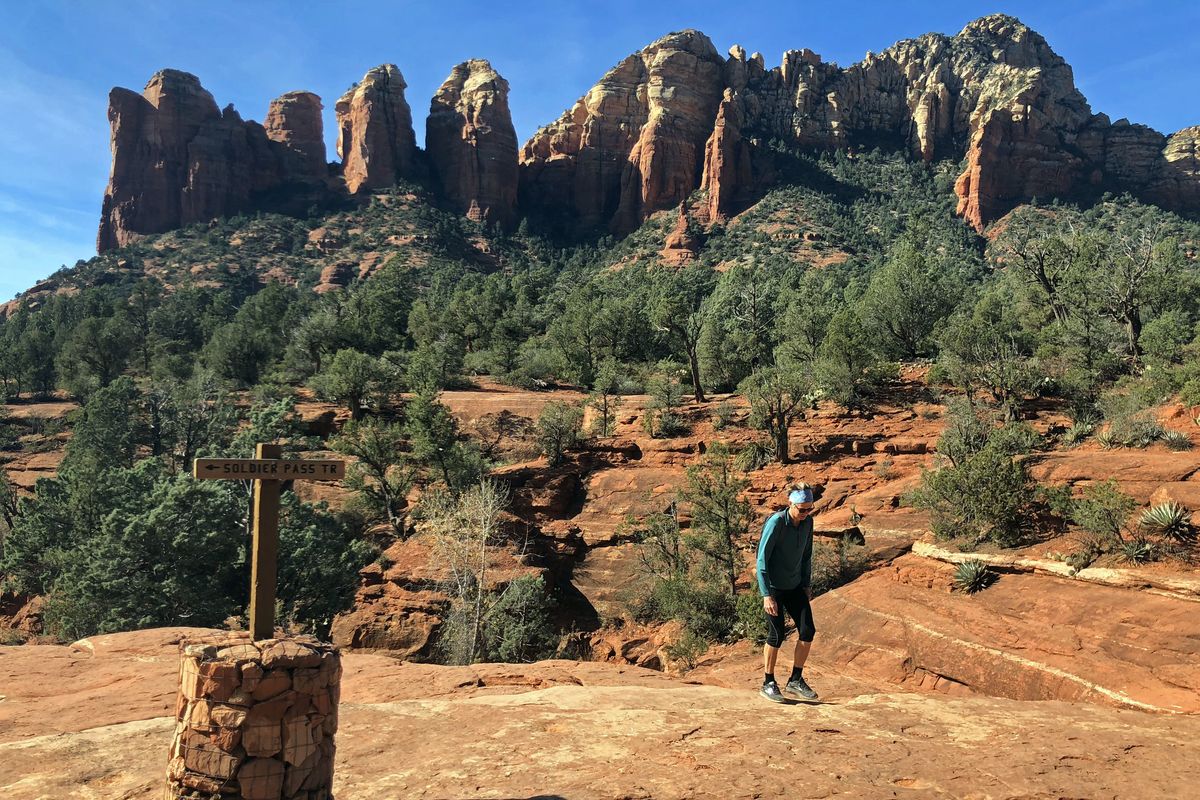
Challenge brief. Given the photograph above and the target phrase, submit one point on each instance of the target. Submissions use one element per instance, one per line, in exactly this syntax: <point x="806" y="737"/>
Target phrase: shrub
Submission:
<point x="973" y="576"/>
<point x="660" y="419"/>
<point x="722" y="415"/>
<point x="519" y="627"/>
<point x="751" y="620"/>
<point x="705" y="610"/>
<point x="1130" y="422"/>
<point x="1056" y="498"/>
<point x="558" y="429"/>
<point x="1169" y="520"/>
<point x="688" y="649"/>
<point x="1014" y="439"/>
<point x="836" y="565"/>
<point x="1103" y="511"/>
<point x="983" y="497"/>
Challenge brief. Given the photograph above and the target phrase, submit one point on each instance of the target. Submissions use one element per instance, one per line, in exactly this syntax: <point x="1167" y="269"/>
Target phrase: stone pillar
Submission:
<point x="255" y="720"/>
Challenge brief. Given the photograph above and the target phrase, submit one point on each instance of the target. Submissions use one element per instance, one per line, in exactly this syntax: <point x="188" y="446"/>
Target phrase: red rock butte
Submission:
<point x="671" y="118"/>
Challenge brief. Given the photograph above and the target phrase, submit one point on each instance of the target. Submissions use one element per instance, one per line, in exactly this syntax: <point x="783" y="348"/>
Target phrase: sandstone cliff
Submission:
<point x="294" y="120"/>
<point x="634" y="144"/>
<point x="996" y="94"/>
<point x="178" y="159"/>
<point x="375" y="134"/>
<point x="472" y="144"/>
<point x="668" y="120"/>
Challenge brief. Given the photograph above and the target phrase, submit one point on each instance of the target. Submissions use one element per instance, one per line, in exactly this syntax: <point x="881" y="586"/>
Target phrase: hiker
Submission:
<point x="785" y="582"/>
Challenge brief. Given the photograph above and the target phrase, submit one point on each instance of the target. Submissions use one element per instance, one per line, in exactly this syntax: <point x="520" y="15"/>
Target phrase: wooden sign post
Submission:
<point x="268" y="470"/>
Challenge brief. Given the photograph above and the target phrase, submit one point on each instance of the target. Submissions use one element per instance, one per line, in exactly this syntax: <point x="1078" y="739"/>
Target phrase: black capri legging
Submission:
<point x="795" y="603"/>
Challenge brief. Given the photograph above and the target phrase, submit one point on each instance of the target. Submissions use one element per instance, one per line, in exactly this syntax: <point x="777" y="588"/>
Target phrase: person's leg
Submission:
<point x="775" y="633"/>
<point x="770" y="687"/>
<point x="770" y="654"/>
<point x="802" y="651"/>
<point x="801" y="611"/>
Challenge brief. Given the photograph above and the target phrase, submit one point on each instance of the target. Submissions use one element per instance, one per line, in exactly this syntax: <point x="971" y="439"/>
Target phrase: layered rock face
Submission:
<point x="1177" y="184"/>
<point x="178" y="159"/>
<point x="375" y="134"/>
<point x="472" y="144"/>
<point x="634" y="144"/>
<point x="667" y="120"/>
<point x="294" y="120"/>
<point x="995" y="93"/>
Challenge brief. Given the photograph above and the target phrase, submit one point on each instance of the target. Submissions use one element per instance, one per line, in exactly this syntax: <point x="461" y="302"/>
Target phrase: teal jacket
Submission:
<point x="785" y="554"/>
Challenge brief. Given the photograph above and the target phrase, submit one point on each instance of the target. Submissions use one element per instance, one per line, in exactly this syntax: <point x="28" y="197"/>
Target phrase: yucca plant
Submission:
<point x="754" y="455"/>
<point x="1176" y="440"/>
<point x="1169" y="520"/>
<point x="1077" y="433"/>
<point x="973" y="576"/>
<point x="1137" y="550"/>
<point x="1107" y="439"/>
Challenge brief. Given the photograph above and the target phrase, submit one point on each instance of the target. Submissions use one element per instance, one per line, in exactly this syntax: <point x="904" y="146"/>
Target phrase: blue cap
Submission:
<point x="800" y="496"/>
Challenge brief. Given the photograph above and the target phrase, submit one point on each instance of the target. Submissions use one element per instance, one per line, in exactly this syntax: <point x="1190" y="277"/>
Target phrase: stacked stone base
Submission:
<point x="255" y="720"/>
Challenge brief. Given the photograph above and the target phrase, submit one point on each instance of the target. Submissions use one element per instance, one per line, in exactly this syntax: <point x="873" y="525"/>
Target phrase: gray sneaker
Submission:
<point x="799" y="688"/>
<point x="770" y="690"/>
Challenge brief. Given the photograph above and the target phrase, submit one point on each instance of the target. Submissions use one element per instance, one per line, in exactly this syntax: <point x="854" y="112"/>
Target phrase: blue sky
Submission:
<point x="58" y="59"/>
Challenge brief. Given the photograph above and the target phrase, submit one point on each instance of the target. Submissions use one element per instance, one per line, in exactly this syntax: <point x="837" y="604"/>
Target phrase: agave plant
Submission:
<point x="1137" y="550"/>
<point x="1176" y="440"/>
<point x="973" y="576"/>
<point x="1077" y="433"/>
<point x="1169" y="520"/>
<point x="1107" y="439"/>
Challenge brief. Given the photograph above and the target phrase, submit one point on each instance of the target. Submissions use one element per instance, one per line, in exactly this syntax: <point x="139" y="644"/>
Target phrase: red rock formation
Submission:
<point x="294" y="120"/>
<point x="728" y="170"/>
<point x="150" y="134"/>
<point x="472" y="144"/>
<point x="375" y="134"/>
<point x="996" y="93"/>
<point x="634" y="143"/>
<point x="1177" y="185"/>
<point x="177" y="159"/>
<point x="661" y="123"/>
<point x="681" y="244"/>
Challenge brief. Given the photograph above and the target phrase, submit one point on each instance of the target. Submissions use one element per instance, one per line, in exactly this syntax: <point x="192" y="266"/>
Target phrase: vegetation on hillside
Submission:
<point x="816" y="293"/>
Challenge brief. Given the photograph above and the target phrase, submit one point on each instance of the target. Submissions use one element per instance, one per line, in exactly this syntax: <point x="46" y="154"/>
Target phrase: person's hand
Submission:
<point x="771" y="606"/>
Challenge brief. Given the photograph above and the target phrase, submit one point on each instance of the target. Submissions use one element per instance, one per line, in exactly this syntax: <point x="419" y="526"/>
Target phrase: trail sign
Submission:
<point x="268" y="471"/>
<point x="245" y="469"/>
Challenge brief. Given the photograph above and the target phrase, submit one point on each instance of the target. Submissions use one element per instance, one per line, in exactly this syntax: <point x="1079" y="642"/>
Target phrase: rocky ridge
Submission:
<point x="667" y="120"/>
<point x="996" y="94"/>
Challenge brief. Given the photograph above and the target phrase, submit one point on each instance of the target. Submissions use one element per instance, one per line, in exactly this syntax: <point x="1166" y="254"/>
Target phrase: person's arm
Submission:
<point x="766" y="544"/>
